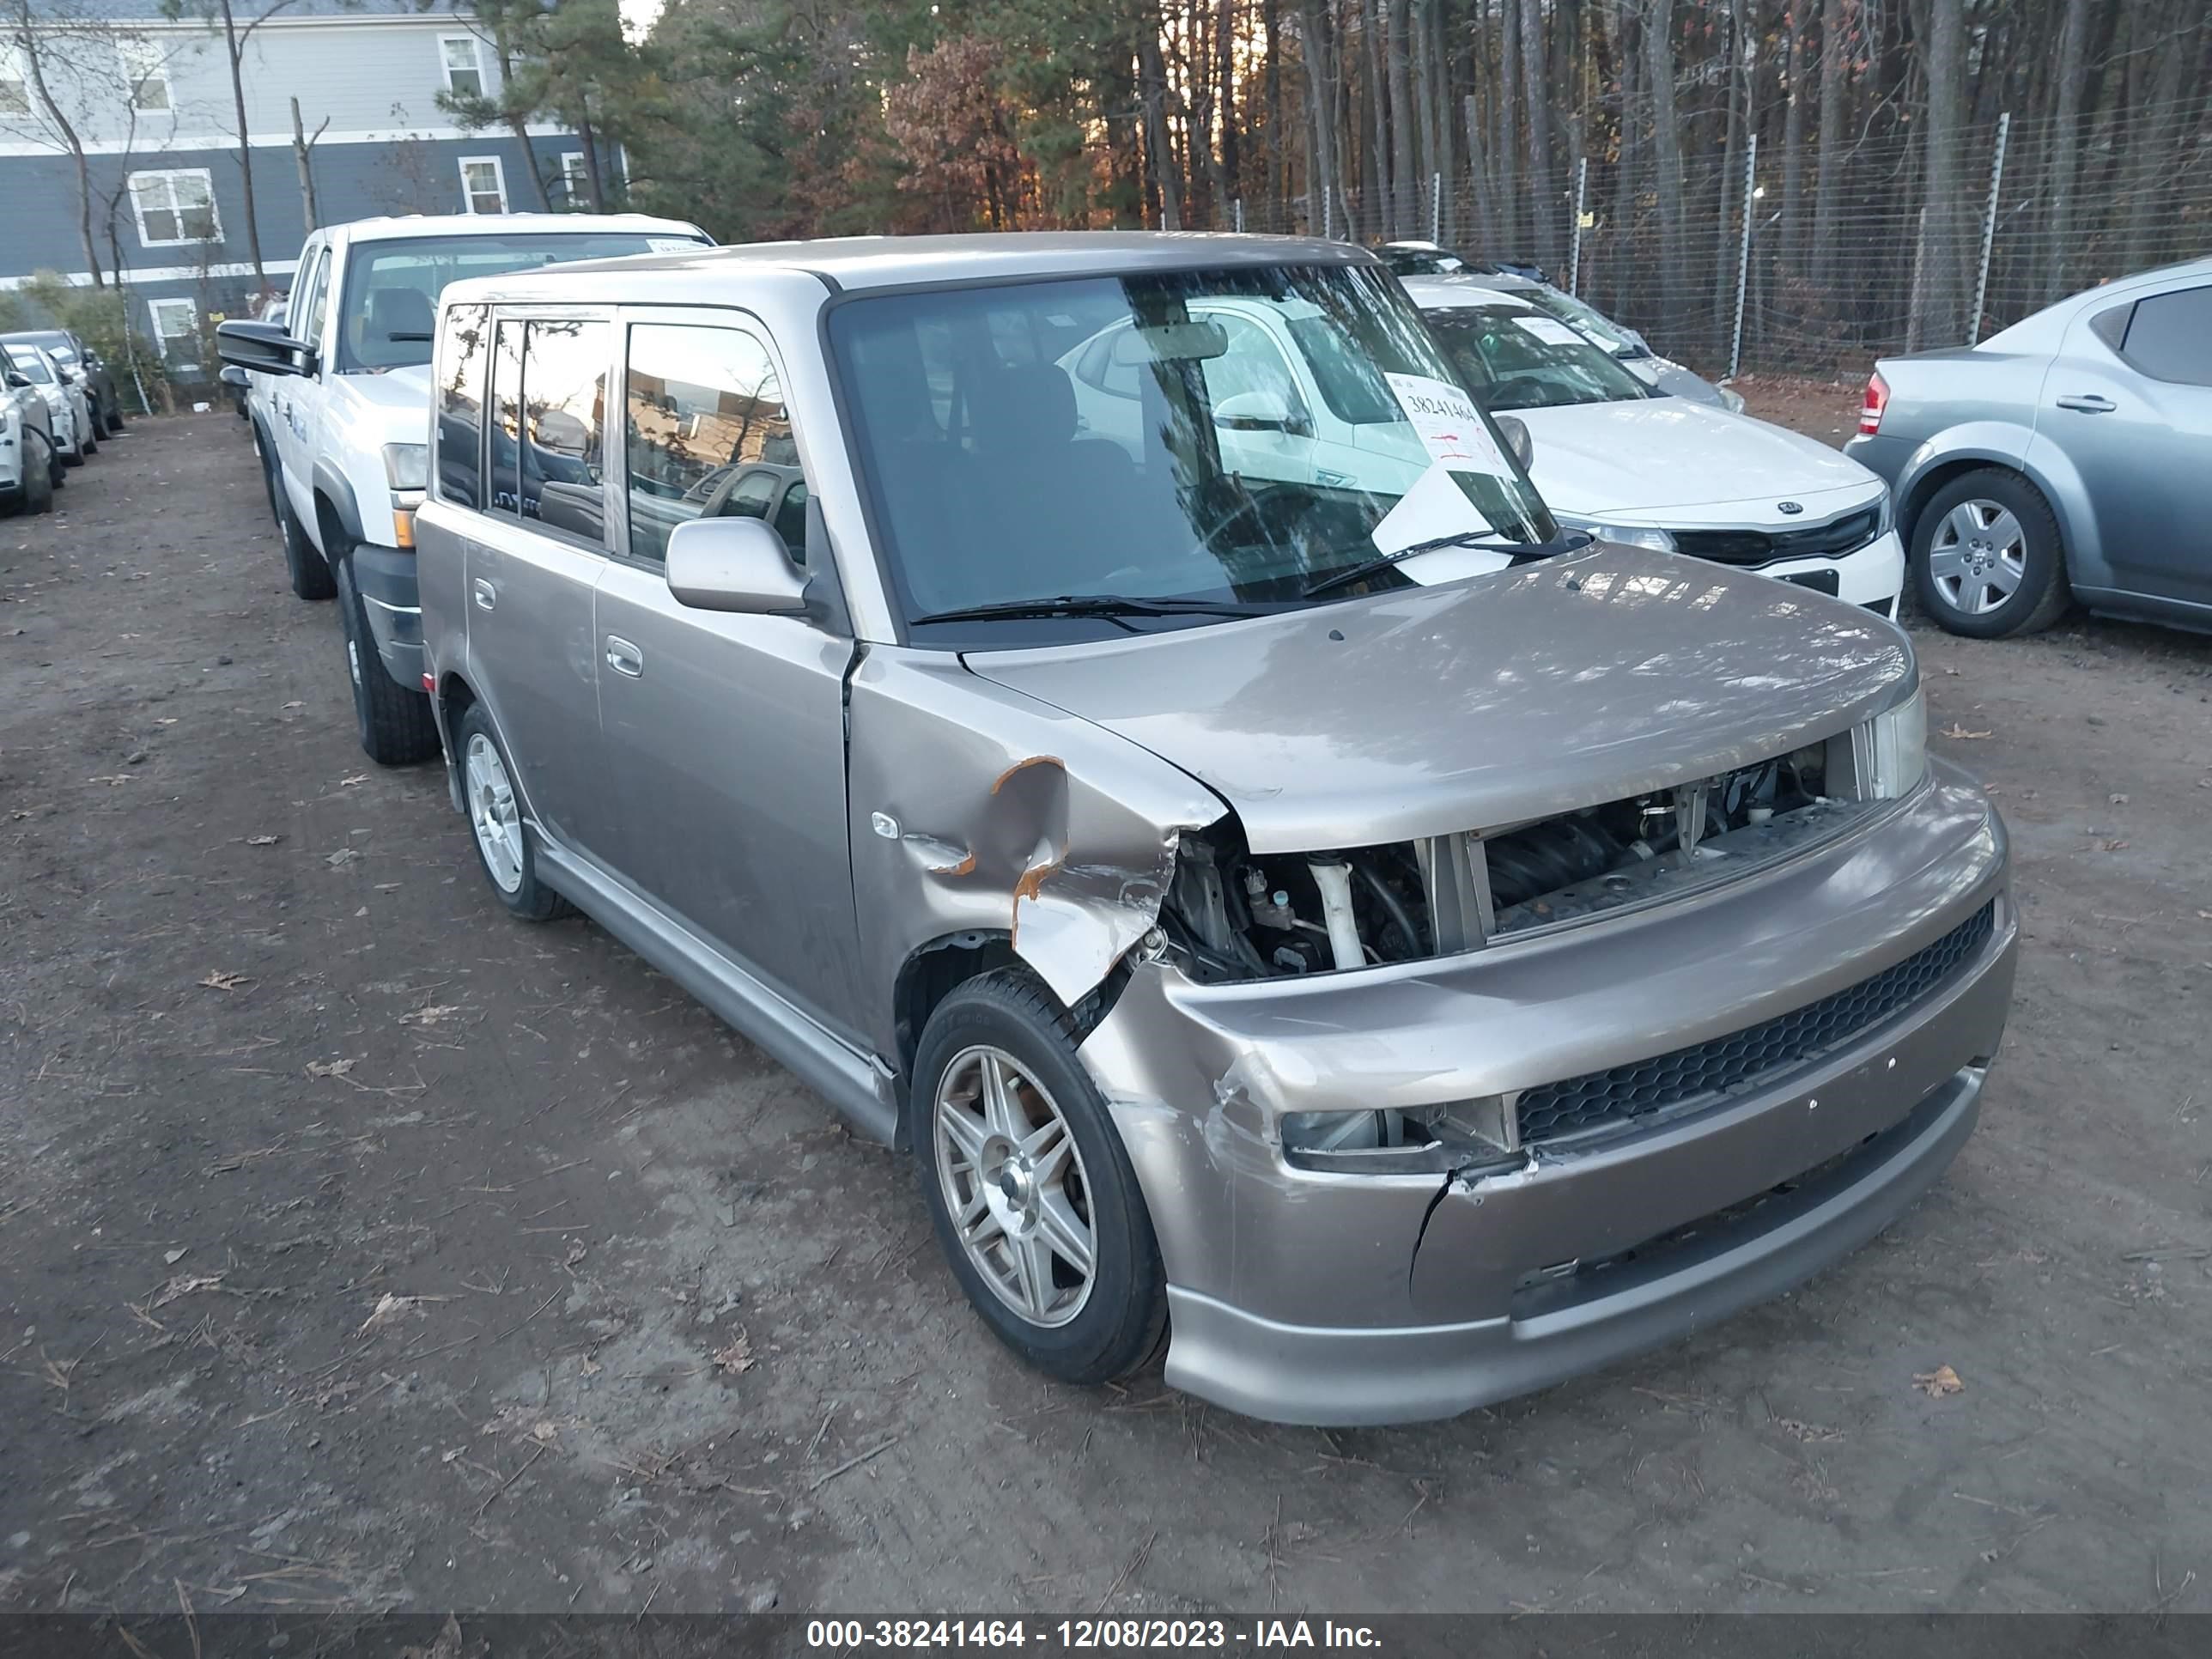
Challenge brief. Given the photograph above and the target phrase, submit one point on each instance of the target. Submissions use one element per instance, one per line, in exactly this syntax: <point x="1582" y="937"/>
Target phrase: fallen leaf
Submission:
<point x="2115" y="800"/>
<point x="184" y="1285"/>
<point x="1939" y="1382"/>
<point x="262" y="841"/>
<point x="2113" y="845"/>
<point x="736" y="1358"/>
<point x="358" y="777"/>
<point x="390" y="1310"/>
<point x="433" y="1014"/>
<point x="171" y="1257"/>
<point x="343" y="855"/>
<point x="576" y="1253"/>
<point x="1958" y="731"/>
<point x="219" y="980"/>
<point x="545" y="1432"/>
<point x="168" y="720"/>
<point x="120" y="777"/>
<point x="591" y="1367"/>
<point x="329" y="1067"/>
<point x="295" y="705"/>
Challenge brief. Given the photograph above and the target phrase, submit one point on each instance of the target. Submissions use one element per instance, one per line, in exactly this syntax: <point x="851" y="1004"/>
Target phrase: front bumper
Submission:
<point x="385" y="579"/>
<point x="1872" y="576"/>
<point x="1336" y="1298"/>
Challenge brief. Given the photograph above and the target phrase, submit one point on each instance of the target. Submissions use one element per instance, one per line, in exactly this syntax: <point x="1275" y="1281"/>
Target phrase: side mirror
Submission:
<point x="263" y="348"/>
<point x="1261" y="411"/>
<point x="733" y="564"/>
<point x="1514" y="431"/>
<point x="233" y="375"/>
<point x="18" y="381"/>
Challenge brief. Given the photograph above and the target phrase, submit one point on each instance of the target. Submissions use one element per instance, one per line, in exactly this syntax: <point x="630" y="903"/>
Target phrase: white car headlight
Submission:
<point x="1896" y="753"/>
<point x="1631" y="534"/>
<point x="407" y="465"/>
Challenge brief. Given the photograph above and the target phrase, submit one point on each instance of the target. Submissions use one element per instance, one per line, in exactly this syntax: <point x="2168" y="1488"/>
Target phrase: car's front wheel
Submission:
<point x="396" y="724"/>
<point x="37" y="488"/>
<point x="1988" y="560"/>
<point x="1028" y="1186"/>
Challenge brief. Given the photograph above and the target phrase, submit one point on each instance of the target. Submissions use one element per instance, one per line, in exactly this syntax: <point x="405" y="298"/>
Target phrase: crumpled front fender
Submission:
<point x="976" y="809"/>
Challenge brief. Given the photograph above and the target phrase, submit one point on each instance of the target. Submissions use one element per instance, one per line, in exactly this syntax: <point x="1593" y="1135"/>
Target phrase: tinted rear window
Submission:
<point x="2170" y="336"/>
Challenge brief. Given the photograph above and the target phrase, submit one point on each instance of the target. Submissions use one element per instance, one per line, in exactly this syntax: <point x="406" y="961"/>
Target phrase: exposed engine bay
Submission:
<point x="1231" y="915"/>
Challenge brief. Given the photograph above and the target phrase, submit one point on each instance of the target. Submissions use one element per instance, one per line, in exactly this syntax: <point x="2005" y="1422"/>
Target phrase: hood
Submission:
<point x="1528" y="691"/>
<point x="1660" y="453"/>
<point x="397" y="400"/>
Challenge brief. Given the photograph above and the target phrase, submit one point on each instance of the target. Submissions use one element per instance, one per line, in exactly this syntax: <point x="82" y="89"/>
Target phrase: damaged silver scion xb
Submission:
<point x="1295" y="901"/>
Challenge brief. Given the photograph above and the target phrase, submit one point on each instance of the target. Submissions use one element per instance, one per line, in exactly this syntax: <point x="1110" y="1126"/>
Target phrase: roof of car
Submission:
<point x="859" y="261"/>
<point x="1434" y="293"/>
<point x="510" y="224"/>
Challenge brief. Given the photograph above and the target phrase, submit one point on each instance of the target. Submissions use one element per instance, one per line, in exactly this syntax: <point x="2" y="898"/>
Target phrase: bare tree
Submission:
<point x="53" y="50"/>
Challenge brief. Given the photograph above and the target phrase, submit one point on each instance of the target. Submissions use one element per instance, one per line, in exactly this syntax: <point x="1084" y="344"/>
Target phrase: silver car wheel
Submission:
<point x="1978" y="557"/>
<point x="493" y="815"/>
<point x="1014" y="1184"/>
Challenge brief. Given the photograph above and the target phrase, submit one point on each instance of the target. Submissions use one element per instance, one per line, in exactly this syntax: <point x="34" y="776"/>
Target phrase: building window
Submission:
<point x="146" y="67"/>
<point x="174" y="208"/>
<point x="15" y="82"/>
<point x="574" y="181"/>
<point x="175" y="324"/>
<point x="464" y="67"/>
<point x="483" y="185"/>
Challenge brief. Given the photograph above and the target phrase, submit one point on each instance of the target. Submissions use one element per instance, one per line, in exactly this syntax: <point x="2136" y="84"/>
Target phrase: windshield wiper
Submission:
<point x="1523" y="553"/>
<point x="1112" y="606"/>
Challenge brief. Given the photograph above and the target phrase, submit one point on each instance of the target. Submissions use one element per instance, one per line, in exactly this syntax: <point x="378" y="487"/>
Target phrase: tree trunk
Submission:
<point x="27" y="46"/>
<point x="1542" y="201"/>
<point x="1828" y="170"/>
<point x="1943" y="319"/>
<point x="1793" y="145"/>
<point x="1727" y="227"/>
<point x="2065" y="146"/>
<point x="1406" y="193"/>
<point x="1507" y="147"/>
<point x="305" y="162"/>
<point x="1320" y="100"/>
<point x="1667" y="153"/>
<point x="1486" y="221"/>
<point x="1159" y="154"/>
<point x="1375" y="172"/>
<point x="234" y="49"/>
<point x="1271" y="37"/>
<point x="591" y="186"/>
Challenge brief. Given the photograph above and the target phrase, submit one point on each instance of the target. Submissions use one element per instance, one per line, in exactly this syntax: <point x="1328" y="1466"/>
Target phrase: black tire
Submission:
<point x="88" y="444"/>
<point x="57" y="464"/>
<point x="2042" y="594"/>
<point x="527" y="897"/>
<point x="38" y="490"/>
<point x="74" y="458"/>
<point x="114" y="419"/>
<point x="1121" y="1323"/>
<point x="395" y="722"/>
<point x="309" y="570"/>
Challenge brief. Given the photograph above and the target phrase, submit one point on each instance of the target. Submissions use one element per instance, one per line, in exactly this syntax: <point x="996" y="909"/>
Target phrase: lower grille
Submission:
<point x="1707" y="1072"/>
<point x="1831" y="540"/>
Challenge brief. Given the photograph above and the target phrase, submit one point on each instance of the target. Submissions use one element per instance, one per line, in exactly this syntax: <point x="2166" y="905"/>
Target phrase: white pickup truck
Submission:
<point x="342" y="419"/>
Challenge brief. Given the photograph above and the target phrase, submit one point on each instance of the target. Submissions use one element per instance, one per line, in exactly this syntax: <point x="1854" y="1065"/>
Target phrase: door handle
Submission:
<point x="625" y="658"/>
<point x="2087" y="403"/>
<point x="487" y="595"/>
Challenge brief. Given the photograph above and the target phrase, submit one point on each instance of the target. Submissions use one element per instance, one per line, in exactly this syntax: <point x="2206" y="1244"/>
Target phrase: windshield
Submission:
<point x="1515" y="359"/>
<point x="1229" y="436"/>
<point x="1592" y="322"/>
<point x="391" y="288"/>
<point x="31" y="365"/>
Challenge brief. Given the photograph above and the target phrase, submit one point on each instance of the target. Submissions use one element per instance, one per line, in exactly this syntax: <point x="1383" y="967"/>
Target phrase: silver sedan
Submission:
<point x="2064" y="458"/>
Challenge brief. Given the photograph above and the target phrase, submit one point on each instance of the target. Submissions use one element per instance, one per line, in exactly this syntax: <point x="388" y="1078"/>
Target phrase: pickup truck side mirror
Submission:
<point x="1515" y="434"/>
<point x="733" y="564"/>
<point x="1261" y="411"/>
<point x="263" y="348"/>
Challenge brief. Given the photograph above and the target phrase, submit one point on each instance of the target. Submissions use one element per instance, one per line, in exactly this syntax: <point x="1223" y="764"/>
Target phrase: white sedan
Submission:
<point x="1615" y="456"/>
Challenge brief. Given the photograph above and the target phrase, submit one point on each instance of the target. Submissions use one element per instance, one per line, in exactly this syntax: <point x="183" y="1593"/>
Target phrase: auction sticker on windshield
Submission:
<point x="1549" y="330"/>
<point x="1448" y="425"/>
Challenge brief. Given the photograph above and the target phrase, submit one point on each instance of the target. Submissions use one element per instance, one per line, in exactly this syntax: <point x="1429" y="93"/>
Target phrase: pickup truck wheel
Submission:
<point x="309" y="570"/>
<point x="1988" y="560"/>
<point x="503" y="840"/>
<point x="396" y="726"/>
<point x="1030" y="1188"/>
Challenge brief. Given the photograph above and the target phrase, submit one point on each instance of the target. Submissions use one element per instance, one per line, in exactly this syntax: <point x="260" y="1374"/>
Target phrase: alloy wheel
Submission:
<point x="1978" y="557"/>
<point x="1014" y="1185"/>
<point x="493" y="814"/>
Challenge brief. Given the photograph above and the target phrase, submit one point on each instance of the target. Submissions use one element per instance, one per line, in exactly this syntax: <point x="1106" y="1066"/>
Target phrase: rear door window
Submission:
<point x="564" y="394"/>
<point x="463" y="355"/>
<point x="506" y="416"/>
<point x="2169" y="337"/>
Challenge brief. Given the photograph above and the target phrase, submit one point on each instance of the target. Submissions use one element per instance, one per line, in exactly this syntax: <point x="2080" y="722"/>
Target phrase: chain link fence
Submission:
<point x="1814" y="281"/>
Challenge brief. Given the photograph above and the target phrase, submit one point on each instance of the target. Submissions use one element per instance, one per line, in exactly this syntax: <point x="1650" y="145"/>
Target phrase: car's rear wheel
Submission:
<point x="1988" y="560"/>
<point x="114" y="419"/>
<point x="502" y="840"/>
<point x="309" y="570"/>
<point x="1028" y="1186"/>
<point x="396" y="724"/>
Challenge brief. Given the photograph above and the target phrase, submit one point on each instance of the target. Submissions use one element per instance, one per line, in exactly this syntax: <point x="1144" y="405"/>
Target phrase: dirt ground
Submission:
<point x="363" y="1248"/>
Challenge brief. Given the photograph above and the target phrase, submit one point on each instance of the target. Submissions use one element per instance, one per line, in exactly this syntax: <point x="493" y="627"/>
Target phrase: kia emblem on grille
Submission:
<point x="1791" y="508"/>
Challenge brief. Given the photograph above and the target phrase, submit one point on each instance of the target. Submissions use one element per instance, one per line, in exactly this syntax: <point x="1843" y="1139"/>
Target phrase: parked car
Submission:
<point x="30" y="464"/>
<point x="2063" y="459"/>
<point x="1393" y="996"/>
<point x="1623" y="342"/>
<point x="341" y="424"/>
<point x="1615" y="456"/>
<point x="81" y="361"/>
<point x="1414" y="258"/>
<point x="66" y="400"/>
